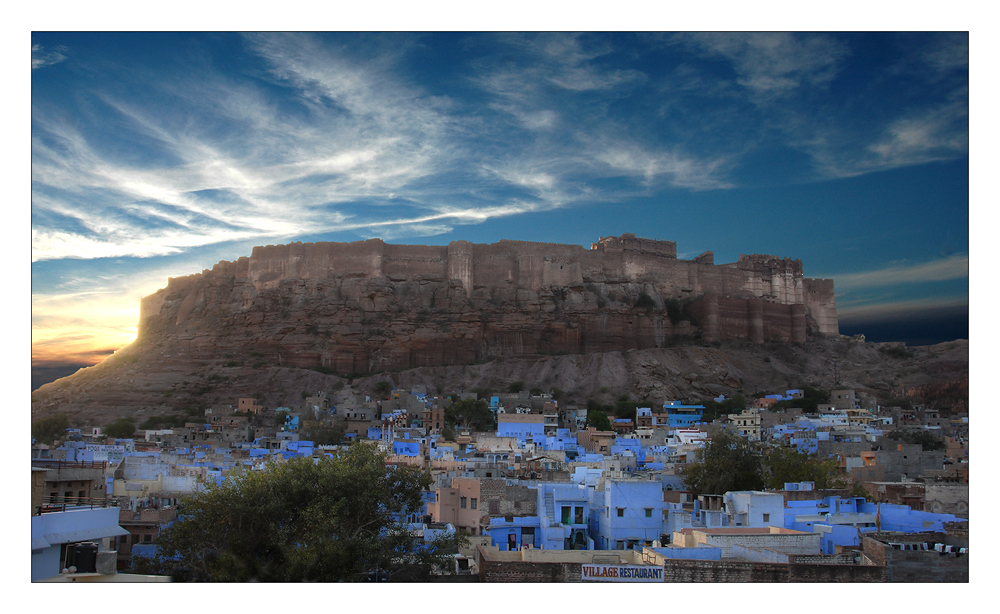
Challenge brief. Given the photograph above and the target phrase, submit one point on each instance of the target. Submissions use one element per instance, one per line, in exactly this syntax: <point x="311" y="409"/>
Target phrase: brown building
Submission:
<point x="593" y="440"/>
<point x="249" y="405"/>
<point x="144" y="526"/>
<point x="70" y="482"/>
<point x="458" y="504"/>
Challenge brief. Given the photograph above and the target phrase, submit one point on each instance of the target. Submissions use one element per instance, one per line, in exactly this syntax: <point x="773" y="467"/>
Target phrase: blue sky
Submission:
<point x="157" y="155"/>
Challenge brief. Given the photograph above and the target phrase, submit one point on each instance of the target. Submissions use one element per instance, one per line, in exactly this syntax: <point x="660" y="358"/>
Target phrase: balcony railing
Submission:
<point x="62" y="504"/>
<point x="59" y="465"/>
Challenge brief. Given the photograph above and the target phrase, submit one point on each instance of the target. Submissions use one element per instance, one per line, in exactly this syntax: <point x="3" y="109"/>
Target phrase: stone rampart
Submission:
<point x="369" y="306"/>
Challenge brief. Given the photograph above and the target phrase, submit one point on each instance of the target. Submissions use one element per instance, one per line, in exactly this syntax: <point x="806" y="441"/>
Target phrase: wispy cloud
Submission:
<point x="283" y="173"/>
<point x="771" y="65"/>
<point x="952" y="267"/>
<point x="676" y="169"/>
<point x="538" y="69"/>
<point x="41" y="58"/>
<point x="938" y="134"/>
<point x="900" y="309"/>
<point x="792" y="79"/>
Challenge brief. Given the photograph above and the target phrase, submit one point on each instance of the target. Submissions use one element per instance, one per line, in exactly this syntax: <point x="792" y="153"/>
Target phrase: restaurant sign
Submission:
<point x="621" y="573"/>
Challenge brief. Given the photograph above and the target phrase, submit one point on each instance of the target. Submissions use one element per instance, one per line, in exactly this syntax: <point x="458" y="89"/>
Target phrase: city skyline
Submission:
<point x="158" y="155"/>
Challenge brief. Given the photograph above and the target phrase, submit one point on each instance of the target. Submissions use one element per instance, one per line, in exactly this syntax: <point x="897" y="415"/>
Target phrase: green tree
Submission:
<point x="811" y="398"/>
<point x="320" y="435"/>
<point x="645" y="301"/>
<point x="515" y="387"/>
<point x="49" y="429"/>
<point x="598" y="419"/>
<point x="927" y="441"/>
<point x="675" y="310"/>
<point x="280" y="417"/>
<point x="470" y="413"/>
<point x="122" y="428"/>
<point x="786" y="464"/>
<point x="625" y="408"/>
<point x="337" y="519"/>
<point x="727" y="462"/>
<point x="714" y="409"/>
<point x="900" y="402"/>
<point x="382" y="389"/>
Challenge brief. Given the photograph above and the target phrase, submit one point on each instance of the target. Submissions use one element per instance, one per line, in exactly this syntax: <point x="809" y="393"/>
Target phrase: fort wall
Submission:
<point x="368" y="305"/>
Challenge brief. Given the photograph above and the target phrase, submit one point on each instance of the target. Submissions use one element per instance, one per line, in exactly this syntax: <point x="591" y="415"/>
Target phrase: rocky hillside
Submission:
<point x="368" y="307"/>
<point x="155" y="377"/>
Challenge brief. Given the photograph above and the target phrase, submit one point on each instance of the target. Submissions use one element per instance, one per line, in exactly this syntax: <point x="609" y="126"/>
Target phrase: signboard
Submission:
<point x="100" y="452"/>
<point x="621" y="573"/>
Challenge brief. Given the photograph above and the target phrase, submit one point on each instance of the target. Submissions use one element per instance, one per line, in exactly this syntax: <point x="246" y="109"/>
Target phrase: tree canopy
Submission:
<point x="383" y="388"/>
<point x="730" y="462"/>
<point x="122" y="428"/>
<point x="334" y="519"/>
<point x="811" y="399"/>
<point x="469" y="413"/>
<point x="927" y="440"/>
<point x="714" y="409"/>
<point x="598" y="419"/>
<point x="49" y="429"/>
<point x="727" y="462"/>
<point x="785" y="464"/>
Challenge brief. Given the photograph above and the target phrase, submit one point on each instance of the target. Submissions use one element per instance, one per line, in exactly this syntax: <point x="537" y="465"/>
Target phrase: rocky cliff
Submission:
<point x="626" y="315"/>
<point x="369" y="306"/>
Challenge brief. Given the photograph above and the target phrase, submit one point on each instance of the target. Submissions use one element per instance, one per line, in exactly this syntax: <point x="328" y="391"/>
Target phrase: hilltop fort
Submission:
<point x="369" y="306"/>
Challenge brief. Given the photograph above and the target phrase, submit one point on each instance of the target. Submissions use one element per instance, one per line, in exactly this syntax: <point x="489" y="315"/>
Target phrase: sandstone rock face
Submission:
<point x="367" y="307"/>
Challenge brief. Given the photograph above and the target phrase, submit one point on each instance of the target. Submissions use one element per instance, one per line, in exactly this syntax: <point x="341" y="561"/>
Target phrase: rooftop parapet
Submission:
<point x="630" y="242"/>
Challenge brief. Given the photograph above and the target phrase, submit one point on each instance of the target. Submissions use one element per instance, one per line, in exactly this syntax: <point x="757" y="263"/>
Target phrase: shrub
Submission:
<point x="645" y="301"/>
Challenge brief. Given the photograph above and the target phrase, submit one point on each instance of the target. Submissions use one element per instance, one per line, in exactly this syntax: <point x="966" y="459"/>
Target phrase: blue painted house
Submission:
<point x="564" y="511"/>
<point x="626" y="514"/>
<point x="515" y="533"/>
<point x="679" y="415"/>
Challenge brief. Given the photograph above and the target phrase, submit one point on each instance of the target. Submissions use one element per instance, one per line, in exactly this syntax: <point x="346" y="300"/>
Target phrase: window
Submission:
<point x="474" y="501"/>
<point x="147" y="538"/>
<point x="621" y="512"/>
<point x="649" y="512"/>
<point x="767" y="517"/>
<point x="565" y="514"/>
<point x="462" y="503"/>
